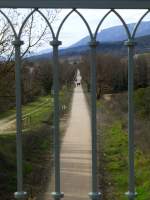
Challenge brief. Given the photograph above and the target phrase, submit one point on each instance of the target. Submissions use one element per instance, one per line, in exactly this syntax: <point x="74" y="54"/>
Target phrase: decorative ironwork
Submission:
<point x="55" y="43"/>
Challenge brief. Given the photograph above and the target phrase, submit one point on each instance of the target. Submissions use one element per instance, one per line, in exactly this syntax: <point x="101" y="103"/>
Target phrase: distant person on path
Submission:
<point x="78" y="79"/>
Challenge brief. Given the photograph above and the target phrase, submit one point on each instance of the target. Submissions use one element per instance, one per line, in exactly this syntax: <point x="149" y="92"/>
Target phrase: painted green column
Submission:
<point x="57" y="195"/>
<point x="131" y="193"/>
<point x="20" y="194"/>
<point x="94" y="194"/>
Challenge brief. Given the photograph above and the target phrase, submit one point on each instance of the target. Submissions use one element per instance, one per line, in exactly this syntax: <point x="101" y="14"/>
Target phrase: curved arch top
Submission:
<point x="25" y="21"/>
<point x="101" y="22"/>
<point x="104" y="4"/>
<point x="48" y="23"/>
<point x="62" y="23"/>
<point x="138" y="23"/>
<point x="123" y="23"/>
<point x="119" y="17"/>
<point x="81" y="17"/>
<point x="10" y="23"/>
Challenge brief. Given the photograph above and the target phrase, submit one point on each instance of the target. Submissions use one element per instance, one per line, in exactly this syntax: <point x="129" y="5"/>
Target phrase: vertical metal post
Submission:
<point x="19" y="194"/>
<point x="94" y="194"/>
<point x="131" y="193"/>
<point x="57" y="195"/>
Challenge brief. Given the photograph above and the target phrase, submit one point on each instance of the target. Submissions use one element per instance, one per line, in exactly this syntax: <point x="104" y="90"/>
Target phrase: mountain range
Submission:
<point x="116" y="34"/>
<point x="111" y="41"/>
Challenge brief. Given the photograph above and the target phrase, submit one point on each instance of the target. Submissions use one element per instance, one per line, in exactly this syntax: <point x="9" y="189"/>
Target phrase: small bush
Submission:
<point x="142" y="102"/>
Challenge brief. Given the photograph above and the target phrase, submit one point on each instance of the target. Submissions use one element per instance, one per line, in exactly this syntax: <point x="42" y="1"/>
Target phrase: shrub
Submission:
<point x="142" y="102"/>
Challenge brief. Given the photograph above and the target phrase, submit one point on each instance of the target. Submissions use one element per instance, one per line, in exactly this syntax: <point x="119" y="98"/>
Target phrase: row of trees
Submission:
<point x="112" y="73"/>
<point x="37" y="77"/>
<point x="34" y="35"/>
<point x="37" y="80"/>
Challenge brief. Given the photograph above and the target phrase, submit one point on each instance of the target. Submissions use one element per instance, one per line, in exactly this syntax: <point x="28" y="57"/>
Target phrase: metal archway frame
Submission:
<point x="103" y="4"/>
<point x="95" y="194"/>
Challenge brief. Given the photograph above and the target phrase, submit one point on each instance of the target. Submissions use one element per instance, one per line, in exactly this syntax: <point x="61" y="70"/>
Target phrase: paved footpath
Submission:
<point x="76" y="151"/>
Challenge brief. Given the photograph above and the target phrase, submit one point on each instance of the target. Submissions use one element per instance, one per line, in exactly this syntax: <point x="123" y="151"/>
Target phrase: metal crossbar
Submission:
<point x="101" y="4"/>
<point x="55" y="43"/>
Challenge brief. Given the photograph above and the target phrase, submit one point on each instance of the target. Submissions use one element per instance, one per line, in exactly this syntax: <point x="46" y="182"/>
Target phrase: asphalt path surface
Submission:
<point x="76" y="152"/>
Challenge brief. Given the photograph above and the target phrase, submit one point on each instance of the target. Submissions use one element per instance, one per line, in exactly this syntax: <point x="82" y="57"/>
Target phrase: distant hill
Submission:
<point x="111" y="41"/>
<point x="115" y="48"/>
<point x="116" y="33"/>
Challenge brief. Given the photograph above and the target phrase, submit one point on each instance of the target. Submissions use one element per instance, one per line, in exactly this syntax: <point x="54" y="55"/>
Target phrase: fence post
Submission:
<point x="94" y="194"/>
<point x="131" y="44"/>
<point x="20" y="194"/>
<point x="57" y="195"/>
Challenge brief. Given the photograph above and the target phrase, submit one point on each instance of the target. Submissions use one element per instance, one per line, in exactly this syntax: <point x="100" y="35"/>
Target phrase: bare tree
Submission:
<point x="141" y="71"/>
<point x="35" y="32"/>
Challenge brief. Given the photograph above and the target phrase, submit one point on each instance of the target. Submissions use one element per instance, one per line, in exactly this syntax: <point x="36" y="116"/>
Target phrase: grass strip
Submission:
<point x="115" y="157"/>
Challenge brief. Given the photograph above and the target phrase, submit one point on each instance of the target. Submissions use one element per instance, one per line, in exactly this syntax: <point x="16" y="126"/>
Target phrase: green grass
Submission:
<point x="30" y="107"/>
<point x="41" y="110"/>
<point x="38" y="116"/>
<point x="37" y="148"/>
<point x="115" y="147"/>
<point x="65" y="98"/>
<point x="7" y="165"/>
<point x="37" y="153"/>
<point x="41" y="101"/>
<point x="142" y="164"/>
<point x="142" y="102"/>
<point x="115" y="151"/>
